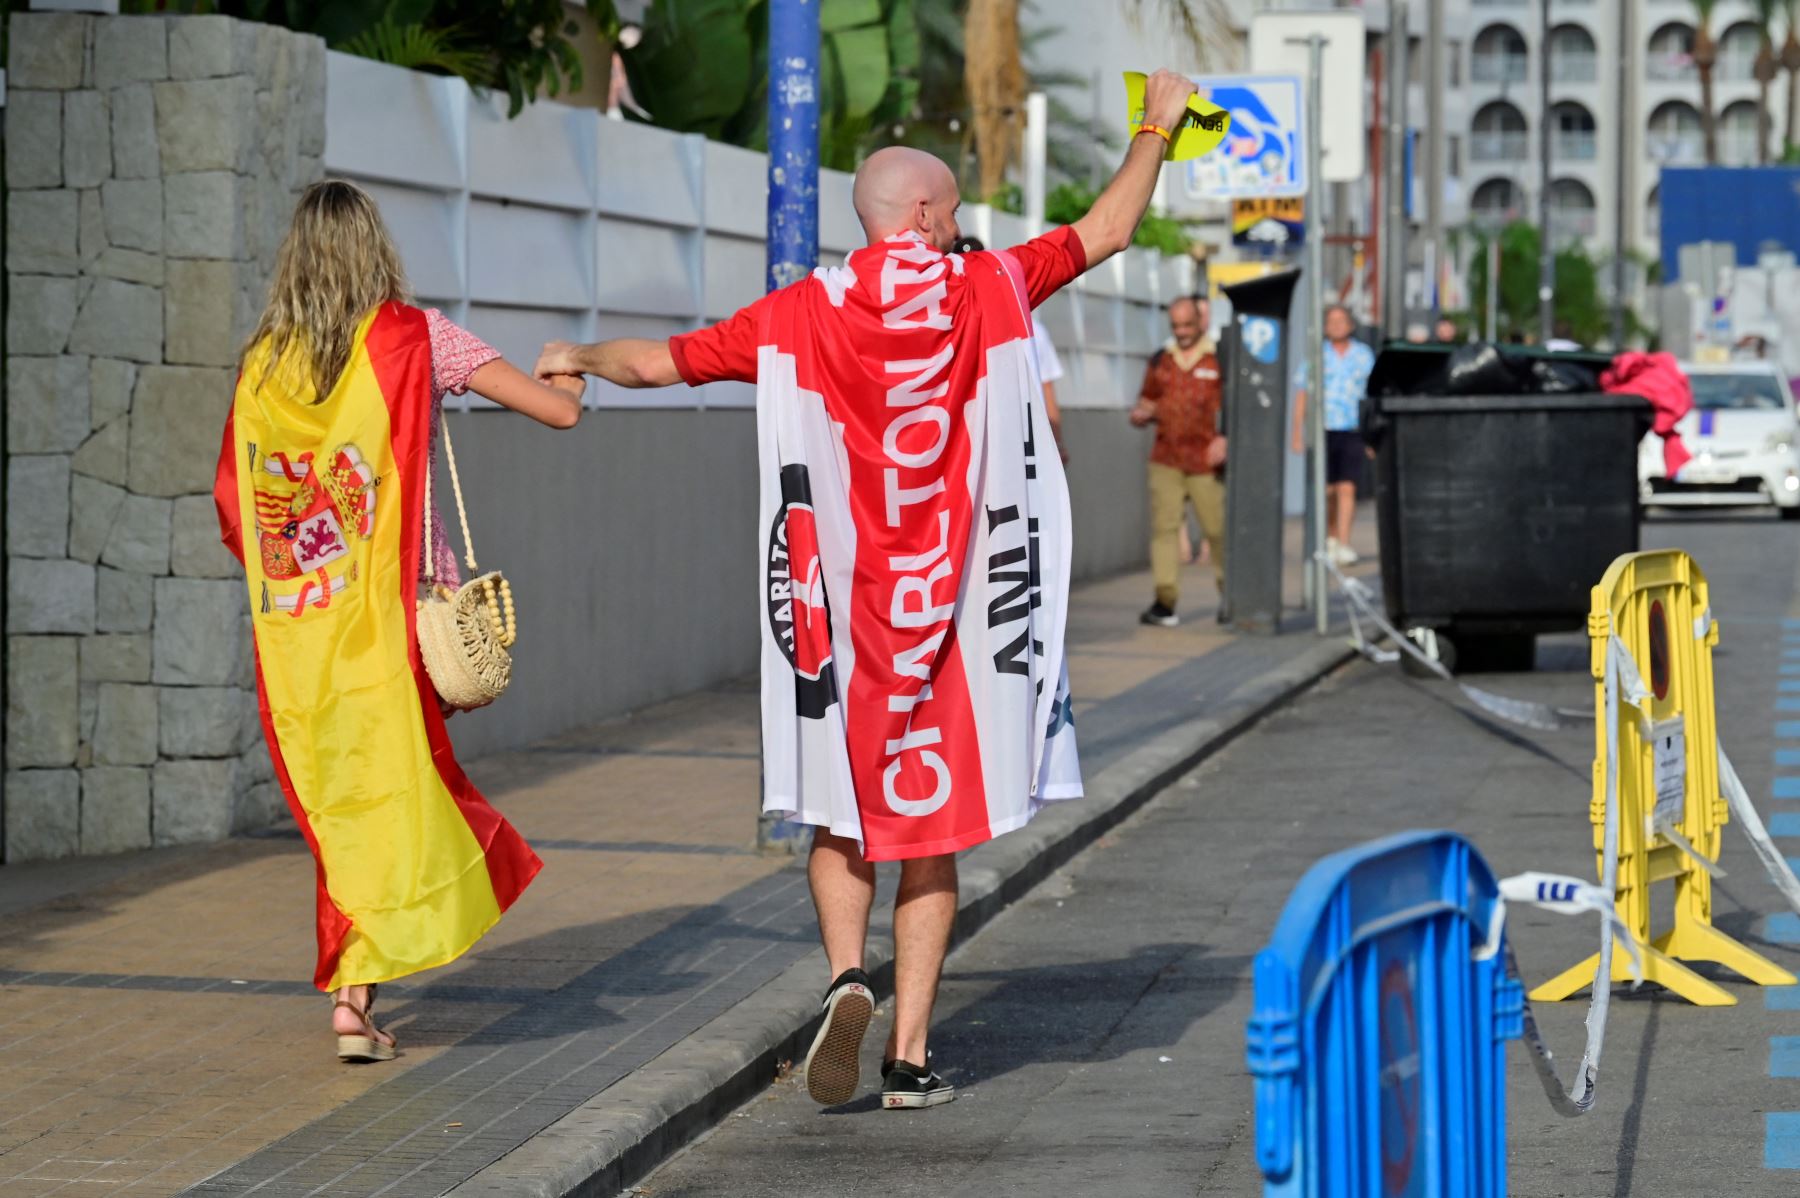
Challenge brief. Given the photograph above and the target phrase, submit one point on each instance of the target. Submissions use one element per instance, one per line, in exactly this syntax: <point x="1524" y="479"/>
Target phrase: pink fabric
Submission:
<point x="456" y="354"/>
<point x="1658" y="378"/>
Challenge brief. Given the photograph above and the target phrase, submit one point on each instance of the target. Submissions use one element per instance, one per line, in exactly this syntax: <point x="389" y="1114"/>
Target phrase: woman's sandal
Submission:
<point x="363" y="1049"/>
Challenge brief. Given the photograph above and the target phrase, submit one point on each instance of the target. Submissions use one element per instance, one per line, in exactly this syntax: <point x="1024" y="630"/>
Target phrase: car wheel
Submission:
<point x="1790" y="513"/>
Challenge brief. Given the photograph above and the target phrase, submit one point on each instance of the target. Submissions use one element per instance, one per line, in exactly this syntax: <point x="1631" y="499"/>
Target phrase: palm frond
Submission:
<point x="1205" y="25"/>
<point x="417" y="48"/>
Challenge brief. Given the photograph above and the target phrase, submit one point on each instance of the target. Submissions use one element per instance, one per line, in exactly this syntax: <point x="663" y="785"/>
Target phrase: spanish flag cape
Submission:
<point x="322" y="499"/>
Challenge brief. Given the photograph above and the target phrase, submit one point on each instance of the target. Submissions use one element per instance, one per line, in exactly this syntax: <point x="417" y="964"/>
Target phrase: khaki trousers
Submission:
<point x="1169" y="490"/>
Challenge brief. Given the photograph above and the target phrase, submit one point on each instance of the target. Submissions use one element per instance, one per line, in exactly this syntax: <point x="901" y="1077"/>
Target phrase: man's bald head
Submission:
<point x="1187" y="320"/>
<point x="901" y="189"/>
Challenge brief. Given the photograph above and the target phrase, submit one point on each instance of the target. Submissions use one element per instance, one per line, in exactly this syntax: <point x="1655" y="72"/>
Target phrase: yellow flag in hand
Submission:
<point x="1202" y="128"/>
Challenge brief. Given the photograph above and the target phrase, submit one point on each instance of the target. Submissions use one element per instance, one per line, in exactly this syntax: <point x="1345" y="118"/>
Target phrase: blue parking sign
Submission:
<point x="1265" y="152"/>
<point x="1261" y="338"/>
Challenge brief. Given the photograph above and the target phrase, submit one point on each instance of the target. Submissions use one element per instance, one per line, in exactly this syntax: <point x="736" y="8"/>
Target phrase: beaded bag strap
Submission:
<point x="462" y="513"/>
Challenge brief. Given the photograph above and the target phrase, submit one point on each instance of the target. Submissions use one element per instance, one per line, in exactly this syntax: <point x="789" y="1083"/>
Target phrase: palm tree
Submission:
<point x="1706" y="56"/>
<point x="994" y="77"/>
<point x="1768" y="65"/>
<point x="1790" y="59"/>
<point x="996" y="81"/>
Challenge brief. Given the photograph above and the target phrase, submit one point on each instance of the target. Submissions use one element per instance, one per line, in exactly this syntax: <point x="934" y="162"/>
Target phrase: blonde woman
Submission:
<point x="322" y="491"/>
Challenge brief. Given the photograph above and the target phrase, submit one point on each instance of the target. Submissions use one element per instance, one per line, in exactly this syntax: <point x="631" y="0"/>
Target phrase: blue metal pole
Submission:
<point x="793" y="243"/>
<point x="793" y="140"/>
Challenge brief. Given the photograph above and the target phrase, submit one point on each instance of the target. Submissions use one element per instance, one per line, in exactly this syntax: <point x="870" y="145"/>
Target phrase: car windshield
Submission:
<point x="1739" y="392"/>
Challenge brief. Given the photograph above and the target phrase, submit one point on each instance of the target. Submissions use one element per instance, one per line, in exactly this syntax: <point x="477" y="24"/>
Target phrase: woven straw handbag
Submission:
<point x="466" y="634"/>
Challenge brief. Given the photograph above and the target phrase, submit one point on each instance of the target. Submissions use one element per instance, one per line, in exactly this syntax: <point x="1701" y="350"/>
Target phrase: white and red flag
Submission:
<point x="915" y="571"/>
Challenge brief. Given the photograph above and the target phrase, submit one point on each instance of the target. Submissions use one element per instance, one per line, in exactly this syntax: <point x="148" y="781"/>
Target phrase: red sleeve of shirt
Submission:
<point x="1051" y="262"/>
<point x="1152" y="388"/>
<point x="722" y="352"/>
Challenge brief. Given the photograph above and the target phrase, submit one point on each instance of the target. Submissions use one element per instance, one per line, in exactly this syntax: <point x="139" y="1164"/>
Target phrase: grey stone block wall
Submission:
<point x="151" y="163"/>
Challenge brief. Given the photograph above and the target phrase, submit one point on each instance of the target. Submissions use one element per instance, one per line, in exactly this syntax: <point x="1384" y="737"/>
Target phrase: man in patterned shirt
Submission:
<point x="1348" y="364"/>
<point x="1182" y="394"/>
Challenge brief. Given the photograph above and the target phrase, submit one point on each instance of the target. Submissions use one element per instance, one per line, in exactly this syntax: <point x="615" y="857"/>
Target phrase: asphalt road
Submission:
<point x="1096" y="1030"/>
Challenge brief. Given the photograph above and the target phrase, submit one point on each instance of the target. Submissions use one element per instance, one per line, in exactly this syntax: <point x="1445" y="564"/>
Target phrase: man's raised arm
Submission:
<point x="1113" y="220"/>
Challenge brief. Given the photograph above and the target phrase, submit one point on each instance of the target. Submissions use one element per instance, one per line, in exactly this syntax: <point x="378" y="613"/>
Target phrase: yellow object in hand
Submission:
<point x="1204" y="127"/>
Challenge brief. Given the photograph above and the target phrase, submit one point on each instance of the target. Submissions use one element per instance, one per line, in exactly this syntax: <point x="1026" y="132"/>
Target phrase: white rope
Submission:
<point x="1743" y="812"/>
<point x="1525" y="712"/>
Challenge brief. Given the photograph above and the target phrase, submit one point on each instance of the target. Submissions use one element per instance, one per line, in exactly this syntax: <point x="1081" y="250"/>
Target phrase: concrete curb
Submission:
<point x="620" y="1135"/>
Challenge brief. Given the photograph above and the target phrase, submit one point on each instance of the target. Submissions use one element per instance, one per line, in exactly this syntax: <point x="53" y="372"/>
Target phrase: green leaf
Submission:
<point x="862" y="56"/>
<point x="904" y="42"/>
<point x="678" y="34"/>
<point x="835" y="15"/>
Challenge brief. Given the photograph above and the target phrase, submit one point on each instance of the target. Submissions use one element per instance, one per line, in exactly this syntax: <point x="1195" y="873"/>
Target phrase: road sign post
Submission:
<point x="1325" y="48"/>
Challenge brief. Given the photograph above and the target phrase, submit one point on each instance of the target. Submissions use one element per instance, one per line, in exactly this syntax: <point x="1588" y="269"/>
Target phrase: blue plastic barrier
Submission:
<point x="1378" y="1038"/>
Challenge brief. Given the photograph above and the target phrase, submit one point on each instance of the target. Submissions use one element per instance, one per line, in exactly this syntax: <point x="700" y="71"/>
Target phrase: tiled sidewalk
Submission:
<point x="157" y="1031"/>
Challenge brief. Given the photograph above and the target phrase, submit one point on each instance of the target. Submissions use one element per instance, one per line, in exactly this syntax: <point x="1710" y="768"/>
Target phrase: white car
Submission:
<point x="1744" y="434"/>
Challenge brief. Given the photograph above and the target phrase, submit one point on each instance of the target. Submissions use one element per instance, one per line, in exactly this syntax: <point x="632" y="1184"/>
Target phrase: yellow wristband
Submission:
<point x="1158" y="130"/>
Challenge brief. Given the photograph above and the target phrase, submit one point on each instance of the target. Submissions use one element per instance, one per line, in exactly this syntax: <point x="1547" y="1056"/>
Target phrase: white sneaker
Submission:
<point x="1343" y="555"/>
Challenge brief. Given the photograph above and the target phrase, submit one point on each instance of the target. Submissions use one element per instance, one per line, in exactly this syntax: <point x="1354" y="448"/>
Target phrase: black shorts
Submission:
<point x="1344" y="457"/>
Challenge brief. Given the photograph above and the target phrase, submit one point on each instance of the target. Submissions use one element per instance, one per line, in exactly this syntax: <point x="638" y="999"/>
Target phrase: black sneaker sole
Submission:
<point x="917" y="1102"/>
<point x="833" y="1065"/>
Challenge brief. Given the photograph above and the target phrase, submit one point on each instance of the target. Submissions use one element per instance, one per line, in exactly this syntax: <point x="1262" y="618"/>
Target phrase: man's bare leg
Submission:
<point x="924" y="910"/>
<point x="843" y="890"/>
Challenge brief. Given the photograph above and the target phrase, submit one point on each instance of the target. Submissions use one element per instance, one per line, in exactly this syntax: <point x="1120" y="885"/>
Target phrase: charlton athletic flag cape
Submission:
<point x="915" y="561"/>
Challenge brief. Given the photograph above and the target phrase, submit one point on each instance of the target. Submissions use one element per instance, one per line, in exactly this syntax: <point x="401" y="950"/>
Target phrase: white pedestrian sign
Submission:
<point x="1264" y="155"/>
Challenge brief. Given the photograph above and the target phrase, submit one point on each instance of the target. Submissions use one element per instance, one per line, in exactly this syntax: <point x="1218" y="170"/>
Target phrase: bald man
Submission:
<point x="916" y="544"/>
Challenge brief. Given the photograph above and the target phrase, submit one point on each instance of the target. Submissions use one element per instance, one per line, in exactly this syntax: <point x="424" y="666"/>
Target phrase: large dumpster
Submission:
<point x="1498" y="511"/>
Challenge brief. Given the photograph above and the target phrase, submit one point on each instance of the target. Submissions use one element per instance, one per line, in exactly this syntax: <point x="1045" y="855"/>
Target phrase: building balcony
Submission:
<point x="1499" y="68"/>
<point x="1503" y="146"/>
<point x="1685" y="149"/>
<point x="1574" y="147"/>
<point x="1574" y="222"/>
<point x="1574" y="68"/>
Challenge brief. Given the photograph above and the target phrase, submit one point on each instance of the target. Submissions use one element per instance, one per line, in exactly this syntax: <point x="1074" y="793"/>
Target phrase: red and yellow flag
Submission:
<point x="323" y="500"/>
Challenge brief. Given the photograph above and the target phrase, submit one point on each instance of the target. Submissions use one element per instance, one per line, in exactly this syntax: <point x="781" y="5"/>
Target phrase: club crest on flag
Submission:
<point x="799" y="613"/>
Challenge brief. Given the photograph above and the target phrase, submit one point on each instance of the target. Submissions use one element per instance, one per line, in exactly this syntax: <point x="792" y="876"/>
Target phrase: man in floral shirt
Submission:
<point x="1182" y="395"/>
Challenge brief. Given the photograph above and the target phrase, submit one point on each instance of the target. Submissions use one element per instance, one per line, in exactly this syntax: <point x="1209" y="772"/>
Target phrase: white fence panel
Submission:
<point x="562" y="224"/>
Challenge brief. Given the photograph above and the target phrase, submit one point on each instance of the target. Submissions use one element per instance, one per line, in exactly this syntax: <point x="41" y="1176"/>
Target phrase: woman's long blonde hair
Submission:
<point x="336" y="265"/>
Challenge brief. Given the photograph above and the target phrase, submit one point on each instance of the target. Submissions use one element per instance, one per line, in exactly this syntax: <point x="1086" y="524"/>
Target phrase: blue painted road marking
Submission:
<point x="1781" y="998"/>
<point x="1787" y="756"/>
<point x="1788" y="704"/>
<point x="1787" y="788"/>
<point x="1781" y="1140"/>
<point x="1785" y="823"/>
<point x="1788" y="729"/>
<point x="1782" y="928"/>
<point x="1784" y="1056"/>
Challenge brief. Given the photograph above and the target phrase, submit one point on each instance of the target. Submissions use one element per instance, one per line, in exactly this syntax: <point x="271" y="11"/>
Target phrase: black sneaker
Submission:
<point x="831" y="1065"/>
<point x="1159" y="615"/>
<point x="906" y="1087"/>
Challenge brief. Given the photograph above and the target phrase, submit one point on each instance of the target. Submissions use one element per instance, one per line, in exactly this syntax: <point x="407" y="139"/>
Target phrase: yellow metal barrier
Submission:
<point x="1668" y="777"/>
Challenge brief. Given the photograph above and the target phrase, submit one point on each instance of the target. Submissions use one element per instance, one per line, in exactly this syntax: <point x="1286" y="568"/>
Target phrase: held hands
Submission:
<point x="1143" y="413"/>
<point x="1165" y="100"/>
<point x="558" y="358"/>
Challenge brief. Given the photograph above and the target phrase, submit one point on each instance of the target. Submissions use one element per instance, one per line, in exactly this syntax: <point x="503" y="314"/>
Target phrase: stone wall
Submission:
<point x="151" y="166"/>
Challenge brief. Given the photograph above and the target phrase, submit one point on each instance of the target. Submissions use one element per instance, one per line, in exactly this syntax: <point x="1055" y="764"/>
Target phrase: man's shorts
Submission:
<point x="1344" y="457"/>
